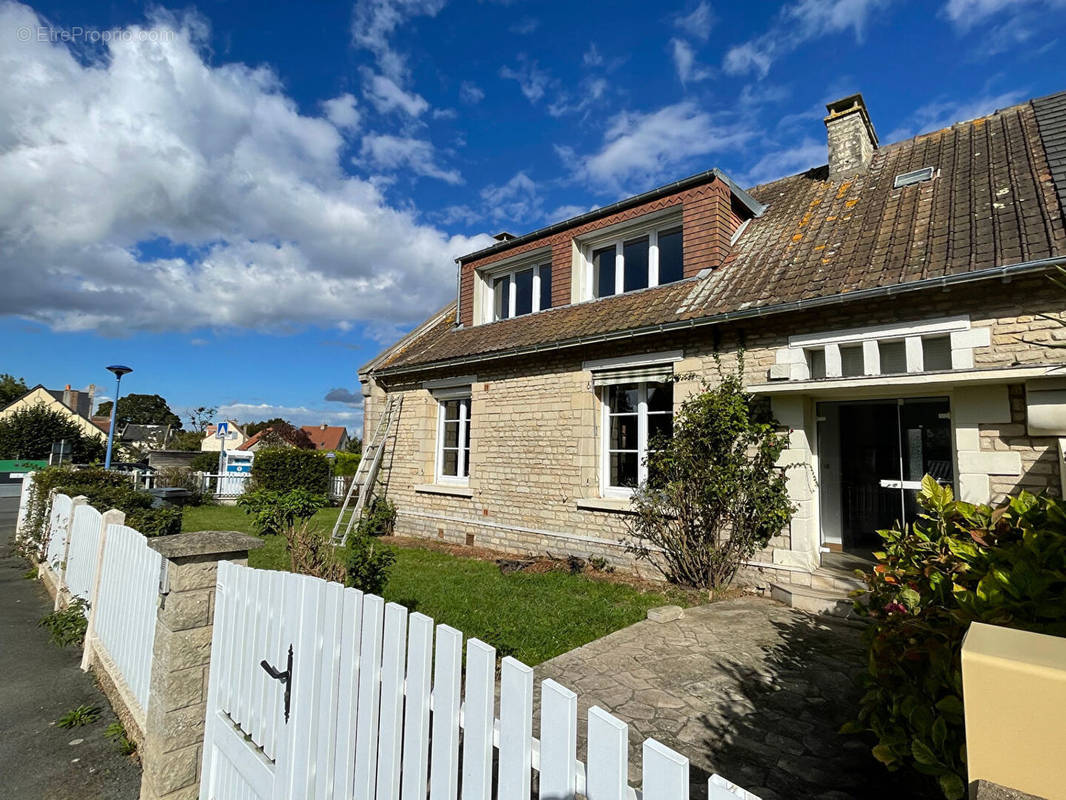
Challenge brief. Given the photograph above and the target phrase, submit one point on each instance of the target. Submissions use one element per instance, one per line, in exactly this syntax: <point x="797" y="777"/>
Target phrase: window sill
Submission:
<point x="443" y="488"/>
<point x="617" y="505"/>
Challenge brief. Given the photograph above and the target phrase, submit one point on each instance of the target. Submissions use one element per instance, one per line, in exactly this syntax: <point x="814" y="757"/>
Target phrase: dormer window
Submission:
<point x="521" y="291"/>
<point x="633" y="256"/>
<point x="519" y="285"/>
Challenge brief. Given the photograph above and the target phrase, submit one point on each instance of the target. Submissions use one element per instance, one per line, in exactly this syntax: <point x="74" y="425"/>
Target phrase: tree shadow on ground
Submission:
<point x="775" y="729"/>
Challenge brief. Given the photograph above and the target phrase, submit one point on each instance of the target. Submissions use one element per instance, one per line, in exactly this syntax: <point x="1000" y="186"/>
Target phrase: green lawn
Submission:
<point x="531" y="616"/>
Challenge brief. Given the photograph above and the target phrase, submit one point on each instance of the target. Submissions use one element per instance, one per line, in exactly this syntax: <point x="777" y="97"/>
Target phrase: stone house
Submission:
<point x="72" y="403"/>
<point x="890" y="304"/>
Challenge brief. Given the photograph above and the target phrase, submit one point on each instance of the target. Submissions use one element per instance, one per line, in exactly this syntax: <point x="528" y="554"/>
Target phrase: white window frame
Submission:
<point x="485" y="296"/>
<point x="512" y="298"/>
<point x="618" y="236"/>
<point x="442" y="397"/>
<point x="624" y="492"/>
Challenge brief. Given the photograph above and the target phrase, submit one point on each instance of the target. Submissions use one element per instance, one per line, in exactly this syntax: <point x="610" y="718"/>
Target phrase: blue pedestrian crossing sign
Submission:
<point x="222" y="431"/>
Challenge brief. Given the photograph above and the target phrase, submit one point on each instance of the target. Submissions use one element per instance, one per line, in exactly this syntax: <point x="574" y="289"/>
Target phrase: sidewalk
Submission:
<point x="39" y="683"/>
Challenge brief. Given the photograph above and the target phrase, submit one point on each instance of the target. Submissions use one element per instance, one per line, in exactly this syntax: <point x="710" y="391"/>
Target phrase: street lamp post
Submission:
<point x="118" y="370"/>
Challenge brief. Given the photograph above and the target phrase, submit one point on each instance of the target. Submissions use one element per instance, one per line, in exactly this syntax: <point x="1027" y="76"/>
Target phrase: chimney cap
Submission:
<point x="504" y="236"/>
<point x="848" y="105"/>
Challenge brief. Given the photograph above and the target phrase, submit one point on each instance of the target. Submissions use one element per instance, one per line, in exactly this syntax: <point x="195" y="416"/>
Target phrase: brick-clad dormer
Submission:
<point x="707" y="209"/>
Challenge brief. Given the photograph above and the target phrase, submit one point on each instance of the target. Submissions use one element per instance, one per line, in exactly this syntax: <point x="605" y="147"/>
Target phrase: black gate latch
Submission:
<point x="285" y="677"/>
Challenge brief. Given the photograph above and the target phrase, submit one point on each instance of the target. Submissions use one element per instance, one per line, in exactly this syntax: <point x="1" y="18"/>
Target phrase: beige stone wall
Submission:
<point x="535" y="426"/>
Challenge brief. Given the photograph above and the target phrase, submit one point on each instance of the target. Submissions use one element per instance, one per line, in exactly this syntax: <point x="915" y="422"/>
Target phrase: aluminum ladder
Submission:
<point x="367" y="473"/>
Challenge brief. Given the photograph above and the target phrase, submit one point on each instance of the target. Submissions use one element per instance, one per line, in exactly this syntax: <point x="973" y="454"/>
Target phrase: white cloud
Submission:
<point x="374" y="21"/>
<point x="592" y="57"/>
<point x="341" y="111"/>
<point x="518" y="200"/>
<point x="697" y="22"/>
<point x="779" y="163"/>
<point x="591" y="90"/>
<point x="525" y="26"/>
<point x="943" y="112"/>
<point x="149" y="190"/>
<point x="567" y="212"/>
<point x="352" y="418"/>
<point x="470" y="92"/>
<point x="967" y="13"/>
<point x="396" y="152"/>
<point x="688" y="71"/>
<point x="795" y="25"/>
<point x="387" y="95"/>
<point x="641" y="149"/>
<point x="532" y="80"/>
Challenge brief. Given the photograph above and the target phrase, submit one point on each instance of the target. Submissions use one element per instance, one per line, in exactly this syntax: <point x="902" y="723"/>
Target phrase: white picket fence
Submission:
<point x="347" y="713"/>
<point x="117" y="575"/>
<point x="226" y="486"/>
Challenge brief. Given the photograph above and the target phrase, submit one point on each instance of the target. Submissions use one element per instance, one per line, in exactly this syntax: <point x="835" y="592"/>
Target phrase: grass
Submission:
<point x="531" y="616"/>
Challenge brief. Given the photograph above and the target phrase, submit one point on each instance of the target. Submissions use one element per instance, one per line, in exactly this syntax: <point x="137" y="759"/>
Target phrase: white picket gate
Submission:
<point x="347" y="711"/>
<point x="80" y="574"/>
<point x="126" y="606"/>
<point x="58" y="525"/>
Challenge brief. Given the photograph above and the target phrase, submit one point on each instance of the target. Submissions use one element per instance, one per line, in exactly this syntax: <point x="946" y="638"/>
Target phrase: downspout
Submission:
<point x="458" y="288"/>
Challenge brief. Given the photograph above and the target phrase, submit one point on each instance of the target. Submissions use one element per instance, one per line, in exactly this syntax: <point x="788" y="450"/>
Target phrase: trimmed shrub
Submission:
<point x="959" y="563"/>
<point x="105" y="490"/>
<point x="368" y="564"/>
<point x="345" y="464"/>
<point x="206" y="461"/>
<point x="283" y="469"/>
<point x="277" y="512"/>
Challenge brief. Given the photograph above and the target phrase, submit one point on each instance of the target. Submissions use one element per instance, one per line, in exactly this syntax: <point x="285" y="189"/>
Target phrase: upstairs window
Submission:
<point x="521" y="291"/>
<point x="635" y="259"/>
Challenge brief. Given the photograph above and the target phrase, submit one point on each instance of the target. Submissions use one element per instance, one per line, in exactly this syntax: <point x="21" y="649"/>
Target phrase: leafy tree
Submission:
<point x="31" y="432"/>
<point x="355" y="445"/>
<point x="252" y="428"/>
<point x="11" y="389"/>
<point x="282" y="434"/>
<point x="200" y="417"/>
<point x="185" y="440"/>
<point x="141" y="409"/>
<point x="285" y="468"/>
<point x="714" y="495"/>
<point x="206" y="461"/>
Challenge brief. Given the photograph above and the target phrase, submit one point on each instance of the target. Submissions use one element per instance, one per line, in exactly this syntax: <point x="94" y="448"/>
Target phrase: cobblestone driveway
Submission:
<point x="746" y="688"/>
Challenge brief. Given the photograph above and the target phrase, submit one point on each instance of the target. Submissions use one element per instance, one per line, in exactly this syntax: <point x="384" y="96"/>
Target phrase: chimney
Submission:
<point x="324" y="426"/>
<point x="68" y="401"/>
<point x="851" y="135"/>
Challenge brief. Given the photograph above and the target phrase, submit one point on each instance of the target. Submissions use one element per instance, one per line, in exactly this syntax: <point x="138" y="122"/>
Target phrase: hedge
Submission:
<point x="283" y="469"/>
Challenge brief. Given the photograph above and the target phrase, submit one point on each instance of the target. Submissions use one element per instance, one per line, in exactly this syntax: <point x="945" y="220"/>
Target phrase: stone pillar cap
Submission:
<point x="203" y="543"/>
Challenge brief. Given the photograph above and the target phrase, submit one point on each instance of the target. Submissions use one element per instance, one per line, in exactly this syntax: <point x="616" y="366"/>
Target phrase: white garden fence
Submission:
<point x="227" y="486"/>
<point x="126" y="606"/>
<point x="321" y="691"/>
<point x="115" y="572"/>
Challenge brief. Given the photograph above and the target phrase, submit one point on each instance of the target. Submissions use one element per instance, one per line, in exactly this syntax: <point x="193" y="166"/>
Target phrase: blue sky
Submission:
<point x="246" y="201"/>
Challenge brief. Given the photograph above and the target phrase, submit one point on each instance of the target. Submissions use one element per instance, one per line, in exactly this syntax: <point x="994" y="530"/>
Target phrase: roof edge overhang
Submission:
<point x="991" y="273"/>
<point x="757" y="209"/>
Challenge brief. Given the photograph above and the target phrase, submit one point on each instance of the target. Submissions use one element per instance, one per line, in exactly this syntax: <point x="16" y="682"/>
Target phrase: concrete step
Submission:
<point x="812" y="600"/>
<point x="832" y="580"/>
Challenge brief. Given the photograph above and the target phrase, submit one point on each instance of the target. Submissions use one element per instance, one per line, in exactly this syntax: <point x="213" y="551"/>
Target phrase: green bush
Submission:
<point x="286" y="468"/>
<point x="368" y="564"/>
<point x="104" y="490"/>
<point x="959" y="563"/>
<point x="29" y="433"/>
<point x="206" y="461"/>
<point x="714" y="495"/>
<point x="345" y="464"/>
<point x="379" y="519"/>
<point x="277" y="512"/>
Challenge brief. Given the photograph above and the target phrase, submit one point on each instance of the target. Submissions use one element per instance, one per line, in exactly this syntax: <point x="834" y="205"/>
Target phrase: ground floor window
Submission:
<point x="453" y="438"/>
<point x="634" y="415"/>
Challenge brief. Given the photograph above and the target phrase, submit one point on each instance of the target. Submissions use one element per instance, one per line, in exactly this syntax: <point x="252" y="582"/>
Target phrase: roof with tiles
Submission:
<point x="997" y="198"/>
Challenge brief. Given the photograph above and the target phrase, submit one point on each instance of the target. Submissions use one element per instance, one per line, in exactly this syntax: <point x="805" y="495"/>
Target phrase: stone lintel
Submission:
<point x="204" y="543"/>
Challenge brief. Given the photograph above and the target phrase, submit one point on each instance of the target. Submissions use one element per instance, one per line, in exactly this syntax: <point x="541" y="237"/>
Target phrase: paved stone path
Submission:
<point x="746" y="688"/>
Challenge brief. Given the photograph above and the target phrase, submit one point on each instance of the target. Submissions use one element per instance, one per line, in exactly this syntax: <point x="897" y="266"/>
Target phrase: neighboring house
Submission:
<point x="211" y="444"/>
<point x="135" y="436"/>
<point x="327" y="437"/>
<point x="889" y="305"/>
<point x="75" y="404"/>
